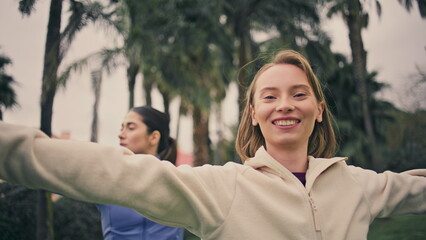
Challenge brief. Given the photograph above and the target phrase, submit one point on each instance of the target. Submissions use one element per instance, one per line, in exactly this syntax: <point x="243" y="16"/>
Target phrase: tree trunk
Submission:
<point x="147" y="88"/>
<point x="52" y="60"/>
<point x="245" y="55"/>
<point x="166" y="100"/>
<point x="132" y="72"/>
<point x="44" y="216"/>
<point x="97" y="83"/>
<point x="217" y="158"/>
<point x="241" y="29"/>
<point x="201" y="137"/>
<point x="359" y="61"/>
<point x="178" y="120"/>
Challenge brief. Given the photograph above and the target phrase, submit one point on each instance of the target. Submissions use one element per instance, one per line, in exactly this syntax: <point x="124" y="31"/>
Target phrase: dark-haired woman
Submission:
<point x="144" y="130"/>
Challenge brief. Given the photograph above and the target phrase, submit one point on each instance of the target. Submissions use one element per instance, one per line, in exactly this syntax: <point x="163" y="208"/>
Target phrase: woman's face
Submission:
<point x="134" y="135"/>
<point x="285" y="107"/>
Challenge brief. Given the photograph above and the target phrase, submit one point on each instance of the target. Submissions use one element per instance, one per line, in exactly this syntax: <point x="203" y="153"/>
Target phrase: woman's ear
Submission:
<point x="154" y="138"/>
<point x="320" y="111"/>
<point x="254" y="122"/>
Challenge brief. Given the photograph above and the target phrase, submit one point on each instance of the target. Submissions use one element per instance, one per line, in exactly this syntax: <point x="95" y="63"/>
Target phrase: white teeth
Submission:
<point x="285" y="122"/>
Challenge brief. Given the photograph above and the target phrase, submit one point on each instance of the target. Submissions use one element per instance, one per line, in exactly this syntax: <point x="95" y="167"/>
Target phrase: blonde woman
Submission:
<point x="289" y="187"/>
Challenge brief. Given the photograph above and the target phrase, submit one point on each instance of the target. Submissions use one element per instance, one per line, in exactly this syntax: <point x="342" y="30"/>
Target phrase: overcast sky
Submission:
<point x="396" y="44"/>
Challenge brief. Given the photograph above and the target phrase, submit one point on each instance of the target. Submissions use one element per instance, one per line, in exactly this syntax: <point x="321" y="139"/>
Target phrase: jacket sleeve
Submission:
<point x="391" y="194"/>
<point x="195" y="198"/>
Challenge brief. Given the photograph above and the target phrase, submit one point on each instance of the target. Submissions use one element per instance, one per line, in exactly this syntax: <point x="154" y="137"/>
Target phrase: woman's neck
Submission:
<point x="295" y="160"/>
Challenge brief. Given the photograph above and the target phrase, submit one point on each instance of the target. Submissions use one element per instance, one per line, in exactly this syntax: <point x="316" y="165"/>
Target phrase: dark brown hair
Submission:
<point x="159" y="121"/>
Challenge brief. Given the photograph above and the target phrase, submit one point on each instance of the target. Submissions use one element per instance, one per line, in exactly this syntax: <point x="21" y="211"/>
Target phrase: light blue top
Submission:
<point x="120" y="223"/>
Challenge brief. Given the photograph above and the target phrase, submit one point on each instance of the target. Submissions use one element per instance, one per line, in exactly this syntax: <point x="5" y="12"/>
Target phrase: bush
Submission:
<point x="76" y="220"/>
<point x="18" y="212"/>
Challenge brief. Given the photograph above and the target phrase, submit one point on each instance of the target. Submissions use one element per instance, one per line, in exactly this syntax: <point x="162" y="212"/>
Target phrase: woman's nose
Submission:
<point x="121" y="135"/>
<point x="285" y="105"/>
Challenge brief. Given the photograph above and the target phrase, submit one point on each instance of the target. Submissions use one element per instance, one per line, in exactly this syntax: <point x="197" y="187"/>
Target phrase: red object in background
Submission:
<point x="184" y="158"/>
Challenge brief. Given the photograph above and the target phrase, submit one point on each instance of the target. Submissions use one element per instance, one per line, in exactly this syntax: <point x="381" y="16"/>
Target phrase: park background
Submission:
<point x="395" y="45"/>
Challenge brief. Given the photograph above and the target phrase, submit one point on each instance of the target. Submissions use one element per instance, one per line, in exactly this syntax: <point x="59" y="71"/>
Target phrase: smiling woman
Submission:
<point x="286" y="110"/>
<point x="286" y="89"/>
<point x="287" y="188"/>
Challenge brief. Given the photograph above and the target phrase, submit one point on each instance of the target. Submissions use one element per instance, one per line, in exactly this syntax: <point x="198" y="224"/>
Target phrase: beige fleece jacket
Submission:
<point x="258" y="200"/>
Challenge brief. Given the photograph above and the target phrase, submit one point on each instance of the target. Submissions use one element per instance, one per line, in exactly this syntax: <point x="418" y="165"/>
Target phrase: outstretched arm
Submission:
<point x="392" y="193"/>
<point x="182" y="196"/>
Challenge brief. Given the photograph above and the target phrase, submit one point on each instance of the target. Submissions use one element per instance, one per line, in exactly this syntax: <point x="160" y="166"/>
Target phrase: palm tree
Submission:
<point x="209" y="69"/>
<point x="132" y="49"/>
<point x="96" y="87"/>
<point x="7" y="93"/>
<point x="345" y="102"/>
<point x="176" y="47"/>
<point x="124" y="24"/>
<point x="51" y="65"/>
<point x="180" y="56"/>
<point x="408" y="4"/>
<point x="288" y="18"/>
<point x="104" y="61"/>
<point x="57" y="44"/>
<point x="356" y="18"/>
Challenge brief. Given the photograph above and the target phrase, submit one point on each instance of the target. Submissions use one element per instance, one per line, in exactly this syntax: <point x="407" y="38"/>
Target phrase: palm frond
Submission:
<point x="7" y="93"/>
<point x="105" y="59"/>
<point x="26" y="6"/>
<point x="83" y="13"/>
<point x="76" y="66"/>
<point x="4" y="60"/>
<point x="111" y="58"/>
<point x="378" y="8"/>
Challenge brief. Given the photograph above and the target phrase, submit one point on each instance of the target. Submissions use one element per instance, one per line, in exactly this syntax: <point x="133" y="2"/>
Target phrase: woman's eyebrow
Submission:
<point x="127" y="124"/>
<point x="266" y="89"/>
<point x="301" y="86"/>
<point x="295" y="87"/>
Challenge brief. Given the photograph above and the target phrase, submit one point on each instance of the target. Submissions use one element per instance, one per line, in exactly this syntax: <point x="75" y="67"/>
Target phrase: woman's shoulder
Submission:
<point x="229" y="168"/>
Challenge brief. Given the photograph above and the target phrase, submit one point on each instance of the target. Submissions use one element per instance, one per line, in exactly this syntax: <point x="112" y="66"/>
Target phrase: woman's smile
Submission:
<point x="286" y="123"/>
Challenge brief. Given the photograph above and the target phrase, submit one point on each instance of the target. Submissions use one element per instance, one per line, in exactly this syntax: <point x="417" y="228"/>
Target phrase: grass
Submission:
<point x="411" y="227"/>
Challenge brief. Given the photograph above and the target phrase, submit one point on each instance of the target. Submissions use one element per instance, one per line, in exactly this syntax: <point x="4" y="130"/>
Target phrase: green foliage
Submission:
<point x="72" y="219"/>
<point x="225" y="150"/>
<point x="76" y="220"/>
<point x="408" y="4"/>
<point x="185" y="49"/>
<point x="18" y="212"/>
<point x="400" y="135"/>
<point x="26" y="6"/>
<point x="345" y="103"/>
<point x="82" y="13"/>
<point x="7" y="93"/>
<point x="406" y="140"/>
<point x="401" y="228"/>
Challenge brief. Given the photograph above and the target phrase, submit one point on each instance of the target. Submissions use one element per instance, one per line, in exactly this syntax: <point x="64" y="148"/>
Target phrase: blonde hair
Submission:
<point x="322" y="142"/>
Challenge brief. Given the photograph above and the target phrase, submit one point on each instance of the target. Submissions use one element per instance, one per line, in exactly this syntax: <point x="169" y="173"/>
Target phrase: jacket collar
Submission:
<point x="262" y="160"/>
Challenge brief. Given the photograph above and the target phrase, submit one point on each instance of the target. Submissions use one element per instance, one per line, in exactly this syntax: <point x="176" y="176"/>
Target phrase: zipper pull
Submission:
<point x="315" y="214"/>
